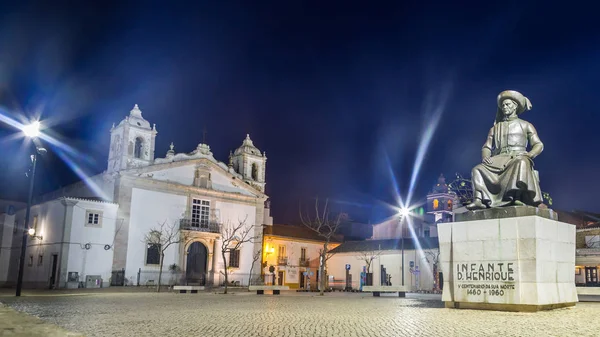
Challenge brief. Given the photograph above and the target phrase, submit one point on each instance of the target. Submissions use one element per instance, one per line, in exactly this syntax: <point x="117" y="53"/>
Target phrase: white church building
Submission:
<point x="92" y="232"/>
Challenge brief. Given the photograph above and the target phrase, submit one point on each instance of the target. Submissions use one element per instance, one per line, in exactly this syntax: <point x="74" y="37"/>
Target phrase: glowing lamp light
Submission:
<point x="31" y="231"/>
<point x="404" y="212"/>
<point x="32" y="130"/>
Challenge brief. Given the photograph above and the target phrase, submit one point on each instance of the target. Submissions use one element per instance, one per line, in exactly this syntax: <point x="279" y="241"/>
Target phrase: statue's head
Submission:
<point x="511" y="102"/>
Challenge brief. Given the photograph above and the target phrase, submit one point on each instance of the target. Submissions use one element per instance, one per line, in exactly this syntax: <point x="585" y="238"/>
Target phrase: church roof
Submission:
<point x="247" y="147"/>
<point x="387" y="244"/>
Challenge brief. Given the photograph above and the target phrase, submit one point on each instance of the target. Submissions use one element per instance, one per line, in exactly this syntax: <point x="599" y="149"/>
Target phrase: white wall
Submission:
<point x="391" y="260"/>
<point x="389" y="229"/>
<point x="95" y="260"/>
<point x="50" y="226"/>
<point x="7" y="227"/>
<point x="183" y="175"/>
<point x="231" y="213"/>
<point x="149" y="209"/>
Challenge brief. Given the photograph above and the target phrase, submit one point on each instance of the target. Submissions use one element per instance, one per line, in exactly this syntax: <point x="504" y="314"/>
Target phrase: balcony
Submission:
<point x="282" y="261"/>
<point x="303" y="262"/>
<point x="189" y="225"/>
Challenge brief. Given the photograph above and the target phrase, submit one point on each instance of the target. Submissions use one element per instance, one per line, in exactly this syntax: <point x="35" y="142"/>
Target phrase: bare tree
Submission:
<point x="326" y="226"/>
<point x="257" y="255"/>
<point x="368" y="256"/>
<point x="433" y="258"/>
<point x="233" y="237"/>
<point x="163" y="237"/>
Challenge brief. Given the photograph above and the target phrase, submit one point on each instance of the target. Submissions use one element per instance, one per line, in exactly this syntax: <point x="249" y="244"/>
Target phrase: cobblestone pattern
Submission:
<point x="15" y="324"/>
<point x="338" y="314"/>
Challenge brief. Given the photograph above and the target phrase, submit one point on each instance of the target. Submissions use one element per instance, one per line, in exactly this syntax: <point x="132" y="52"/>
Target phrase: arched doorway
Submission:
<point x="196" y="264"/>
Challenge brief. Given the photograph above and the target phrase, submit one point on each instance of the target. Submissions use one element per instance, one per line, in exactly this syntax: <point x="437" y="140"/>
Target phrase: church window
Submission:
<point x="449" y="205"/>
<point x="137" y="151"/>
<point x="200" y="213"/>
<point x="234" y="258"/>
<point x="436" y="204"/>
<point x="153" y="253"/>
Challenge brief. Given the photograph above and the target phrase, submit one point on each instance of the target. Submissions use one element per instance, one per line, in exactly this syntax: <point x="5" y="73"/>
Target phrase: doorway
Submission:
<point x="196" y="264"/>
<point x="53" y="271"/>
<point x="302" y="280"/>
<point x="591" y="276"/>
<point x="280" y="277"/>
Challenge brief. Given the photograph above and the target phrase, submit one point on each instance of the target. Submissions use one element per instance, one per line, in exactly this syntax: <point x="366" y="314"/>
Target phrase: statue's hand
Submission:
<point x="487" y="160"/>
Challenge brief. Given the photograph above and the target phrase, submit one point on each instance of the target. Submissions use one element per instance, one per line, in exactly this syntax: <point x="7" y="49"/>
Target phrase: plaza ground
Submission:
<point x="125" y="313"/>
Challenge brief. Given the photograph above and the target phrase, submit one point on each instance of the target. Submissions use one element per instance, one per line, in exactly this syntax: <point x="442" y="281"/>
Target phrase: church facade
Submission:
<point x="189" y="191"/>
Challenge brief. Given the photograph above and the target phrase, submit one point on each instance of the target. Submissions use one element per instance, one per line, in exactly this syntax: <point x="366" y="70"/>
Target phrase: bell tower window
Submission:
<point x="436" y="204"/>
<point x="254" y="172"/>
<point x="137" y="150"/>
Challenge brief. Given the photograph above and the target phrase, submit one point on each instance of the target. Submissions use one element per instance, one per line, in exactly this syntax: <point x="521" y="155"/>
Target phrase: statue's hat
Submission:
<point x="522" y="101"/>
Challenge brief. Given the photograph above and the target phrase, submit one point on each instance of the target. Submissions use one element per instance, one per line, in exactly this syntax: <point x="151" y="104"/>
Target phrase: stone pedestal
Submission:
<point x="524" y="263"/>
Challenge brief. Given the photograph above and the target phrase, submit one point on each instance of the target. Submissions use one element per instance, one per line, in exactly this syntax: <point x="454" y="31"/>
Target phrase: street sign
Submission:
<point x="305" y="273"/>
<point x="348" y="266"/>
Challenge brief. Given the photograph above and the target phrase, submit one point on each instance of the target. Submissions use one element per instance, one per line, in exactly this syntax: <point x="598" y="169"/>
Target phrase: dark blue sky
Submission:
<point x="328" y="89"/>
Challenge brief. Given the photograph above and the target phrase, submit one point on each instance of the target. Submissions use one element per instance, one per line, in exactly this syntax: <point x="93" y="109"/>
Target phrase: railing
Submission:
<point x="303" y="262"/>
<point x="188" y="224"/>
<point x="282" y="261"/>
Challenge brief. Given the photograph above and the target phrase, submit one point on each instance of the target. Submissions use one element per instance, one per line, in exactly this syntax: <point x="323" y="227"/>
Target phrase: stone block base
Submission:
<point x="507" y="307"/>
<point x="522" y="263"/>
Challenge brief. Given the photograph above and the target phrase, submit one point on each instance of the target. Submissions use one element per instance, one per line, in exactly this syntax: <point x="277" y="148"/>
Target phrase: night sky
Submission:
<point x="339" y="94"/>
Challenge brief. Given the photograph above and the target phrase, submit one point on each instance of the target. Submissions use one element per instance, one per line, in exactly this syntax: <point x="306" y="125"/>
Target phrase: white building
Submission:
<point x="138" y="192"/>
<point x="293" y="252"/>
<point x="416" y="237"/>
<point x="73" y="237"/>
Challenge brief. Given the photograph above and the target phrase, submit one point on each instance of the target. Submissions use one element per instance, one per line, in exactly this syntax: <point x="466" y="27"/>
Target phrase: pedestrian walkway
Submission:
<point x="13" y="323"/>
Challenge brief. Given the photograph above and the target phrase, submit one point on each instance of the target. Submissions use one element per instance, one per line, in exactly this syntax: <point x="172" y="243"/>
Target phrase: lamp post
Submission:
<point x="404" y="212"/>
<point x="32" y="131"/>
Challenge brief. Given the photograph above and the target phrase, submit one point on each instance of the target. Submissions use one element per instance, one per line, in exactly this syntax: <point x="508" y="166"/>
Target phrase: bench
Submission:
<point x="588" y="290"/>
<point x="376" y="290"/>
<point x="260" y="290"/>
<point x="185" y="289"/>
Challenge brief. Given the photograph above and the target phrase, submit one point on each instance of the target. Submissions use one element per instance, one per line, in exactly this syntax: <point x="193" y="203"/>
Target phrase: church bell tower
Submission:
<point x="131" y="142"/>
<point x="248" y="161"/>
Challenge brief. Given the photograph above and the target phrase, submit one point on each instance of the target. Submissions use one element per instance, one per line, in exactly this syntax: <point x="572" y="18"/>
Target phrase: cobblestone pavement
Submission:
<point x="293" y="314"/>
<point x="14" y="323"/>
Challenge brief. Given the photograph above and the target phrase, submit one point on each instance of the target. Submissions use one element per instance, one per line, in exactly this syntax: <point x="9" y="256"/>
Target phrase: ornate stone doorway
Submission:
<point x="197" y="256"/>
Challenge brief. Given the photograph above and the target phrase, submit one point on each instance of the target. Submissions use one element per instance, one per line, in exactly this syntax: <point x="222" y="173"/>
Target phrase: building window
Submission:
<point x="30" y="261"/>
<point x="40" y="260"/>
<point x="153" y="253"/>
<point x="93" y="218"/>
<point x="303" y="254"/>
<point x="436" y="204"/>
<point x="426" y="233"/>
<point x="281" y="251"/>
<point x="137" y="150"/>
<point x="234" y="258"/>
<point x="16" y="226"/>
<point x="200" y="213"/>
<point x="449" y="205"/>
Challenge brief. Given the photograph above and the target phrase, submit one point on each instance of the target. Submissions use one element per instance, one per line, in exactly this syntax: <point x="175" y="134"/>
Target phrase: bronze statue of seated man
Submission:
<point x="506" y="175"/>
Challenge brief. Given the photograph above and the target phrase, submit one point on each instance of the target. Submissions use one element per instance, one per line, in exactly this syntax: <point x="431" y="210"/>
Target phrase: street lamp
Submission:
<point x="404" y="212"/>
<point x="32" y="131"/>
